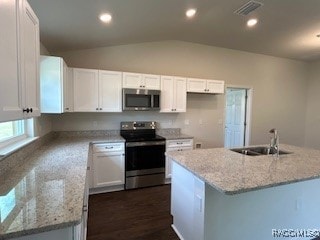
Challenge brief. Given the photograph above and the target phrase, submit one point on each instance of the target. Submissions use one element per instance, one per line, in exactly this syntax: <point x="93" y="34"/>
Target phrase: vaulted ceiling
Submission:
<point x="286" y="28"/>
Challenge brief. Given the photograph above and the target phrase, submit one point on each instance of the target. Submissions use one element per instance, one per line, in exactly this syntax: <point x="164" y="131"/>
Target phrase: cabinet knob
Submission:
<point x="67" y="108"/>
<point x="97" y="108"/>
<point x="27" y="110"/>
<point x="31" y="109"/>
<point x="100" y="108"/>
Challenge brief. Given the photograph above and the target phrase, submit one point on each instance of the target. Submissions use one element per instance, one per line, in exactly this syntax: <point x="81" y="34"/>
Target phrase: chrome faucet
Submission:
<point x="274" y="142"/>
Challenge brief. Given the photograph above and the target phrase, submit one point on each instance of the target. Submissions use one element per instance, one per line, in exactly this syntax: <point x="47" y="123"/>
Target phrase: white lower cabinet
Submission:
<point x="176" y="145"/>
<point x="108" y="167"/>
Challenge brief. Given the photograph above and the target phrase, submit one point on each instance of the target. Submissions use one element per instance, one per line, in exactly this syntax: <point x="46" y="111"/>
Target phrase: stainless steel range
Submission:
<point x="145" y="159"/>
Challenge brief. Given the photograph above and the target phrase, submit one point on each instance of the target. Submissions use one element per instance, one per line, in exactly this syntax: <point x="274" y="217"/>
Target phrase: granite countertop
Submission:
<point x="174" y="136"/>
<point x="232" y="173"/>
<point x="47" y="191"/>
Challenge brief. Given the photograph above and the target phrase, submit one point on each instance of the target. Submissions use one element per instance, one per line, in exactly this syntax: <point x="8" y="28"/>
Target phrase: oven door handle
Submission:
<point x="141" y="144"/>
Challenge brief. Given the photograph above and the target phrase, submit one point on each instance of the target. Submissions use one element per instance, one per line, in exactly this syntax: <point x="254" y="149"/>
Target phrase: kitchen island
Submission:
<point x="221" y="194"/>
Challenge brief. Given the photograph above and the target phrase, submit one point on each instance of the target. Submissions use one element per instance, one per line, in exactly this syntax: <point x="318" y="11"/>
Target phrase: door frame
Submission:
<point x="248" y="116"/>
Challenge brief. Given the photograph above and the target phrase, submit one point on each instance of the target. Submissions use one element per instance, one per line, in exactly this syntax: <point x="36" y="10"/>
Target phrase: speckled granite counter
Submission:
<point x="46" y="191"/>
<point x="176" y="136"/>
<point x="231" y="173"/>
<point x="172" y="134"/>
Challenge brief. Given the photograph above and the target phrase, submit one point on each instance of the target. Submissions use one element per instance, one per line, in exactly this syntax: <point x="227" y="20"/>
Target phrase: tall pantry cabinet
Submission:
<point x="19" y="61"/>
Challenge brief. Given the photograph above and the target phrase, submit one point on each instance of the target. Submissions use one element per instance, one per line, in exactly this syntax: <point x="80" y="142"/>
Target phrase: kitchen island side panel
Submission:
<point x="257" y="214"/>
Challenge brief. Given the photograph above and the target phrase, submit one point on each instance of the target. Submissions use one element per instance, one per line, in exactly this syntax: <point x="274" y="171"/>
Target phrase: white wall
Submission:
<point x="279" y="98"/>
<point x="313" y="112"/>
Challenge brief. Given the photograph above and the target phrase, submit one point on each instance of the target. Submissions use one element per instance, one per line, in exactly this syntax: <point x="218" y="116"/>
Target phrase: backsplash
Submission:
<point x="17" y="157"/>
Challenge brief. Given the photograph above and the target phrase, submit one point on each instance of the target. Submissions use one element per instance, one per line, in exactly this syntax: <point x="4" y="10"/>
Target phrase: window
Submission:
<point x="12" y="131"/>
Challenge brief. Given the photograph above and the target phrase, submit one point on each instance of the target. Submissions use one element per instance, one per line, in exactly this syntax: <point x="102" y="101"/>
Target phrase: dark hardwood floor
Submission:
<point x="142" y="214"/>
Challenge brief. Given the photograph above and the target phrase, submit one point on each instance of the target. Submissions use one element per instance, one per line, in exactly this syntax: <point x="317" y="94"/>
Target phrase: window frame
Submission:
<point x="14" y="139"/>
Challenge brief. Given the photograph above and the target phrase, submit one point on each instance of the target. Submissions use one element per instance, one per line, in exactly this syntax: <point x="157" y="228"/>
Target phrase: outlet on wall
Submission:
<point x="198" y="145"/>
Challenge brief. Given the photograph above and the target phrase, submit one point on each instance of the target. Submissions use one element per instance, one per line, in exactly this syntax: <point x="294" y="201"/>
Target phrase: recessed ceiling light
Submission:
<point x="191" y="12"/>
<point x="252" y="22"/>
<point x="106" y="17"/>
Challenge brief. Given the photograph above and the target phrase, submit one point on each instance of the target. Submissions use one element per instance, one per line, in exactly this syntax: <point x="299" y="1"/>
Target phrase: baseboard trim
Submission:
<point x="177" y="232"/>
<point x="105" y="189"/>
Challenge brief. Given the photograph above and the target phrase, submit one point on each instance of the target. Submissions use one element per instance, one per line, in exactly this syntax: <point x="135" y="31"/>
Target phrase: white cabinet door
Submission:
<point x="85" y="83"/>
<point x="10" y="104"/>
<point x="132" y="80"/>
<point x="138" y="80"/>
<point x="52" y="80"/>
<point x="215" y="86"/>
<point x="30" y="53"/>
<point x="150" y="81"/>
<point x="196" y="85"/>
<point x="180" y="94"/>
<point x="108" y="169"/>
<point x="110" y="91"/>
<point x="167" y="94"/>
<point x="69" y="90"/>
<point x="173" y="94"/>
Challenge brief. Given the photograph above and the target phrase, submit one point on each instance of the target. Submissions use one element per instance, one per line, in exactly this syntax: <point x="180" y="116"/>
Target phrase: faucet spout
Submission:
<point x="274" y="143"/>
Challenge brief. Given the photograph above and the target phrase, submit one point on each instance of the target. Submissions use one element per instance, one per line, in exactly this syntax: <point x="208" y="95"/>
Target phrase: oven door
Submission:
<point x="145" y="158"/>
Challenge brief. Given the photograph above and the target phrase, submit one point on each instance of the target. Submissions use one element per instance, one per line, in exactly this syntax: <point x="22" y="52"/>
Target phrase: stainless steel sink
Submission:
<point x="258" y="151"/>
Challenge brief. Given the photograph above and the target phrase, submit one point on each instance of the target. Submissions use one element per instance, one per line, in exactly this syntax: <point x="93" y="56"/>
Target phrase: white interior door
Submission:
<point x="235" y="117"/>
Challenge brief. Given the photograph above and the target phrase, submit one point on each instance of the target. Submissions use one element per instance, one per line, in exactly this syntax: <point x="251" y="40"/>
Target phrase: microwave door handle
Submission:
<point x="152" y="101"/>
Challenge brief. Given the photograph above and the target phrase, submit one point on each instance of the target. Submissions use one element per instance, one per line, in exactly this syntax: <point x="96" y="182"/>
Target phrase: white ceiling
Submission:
<point x="286" y="28"/>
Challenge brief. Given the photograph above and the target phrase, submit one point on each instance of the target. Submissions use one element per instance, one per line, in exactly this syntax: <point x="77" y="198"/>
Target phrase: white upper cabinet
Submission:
<point x="54" y="85"/>
<point x="215" y="86"/>
<point x="110" y="91"/>
<point x="150" y="81"/>
<point x="19" y="60"/>
<point x="137" y="80"/>
<point x="85" y="83"/>
<point x="97" y="90"/>
<point x="68" y="90"/>
<point x="197" y="85"/>
<point x="30" y="53"/>
<point x="173" y="94"/>
<point x="10" y="105"/>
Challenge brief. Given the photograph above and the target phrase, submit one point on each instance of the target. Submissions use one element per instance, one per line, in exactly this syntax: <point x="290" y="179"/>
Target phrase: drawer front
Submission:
<point x="178" y="149"/>
<point x="180" y="143"/>
<point x="108" y="147"/>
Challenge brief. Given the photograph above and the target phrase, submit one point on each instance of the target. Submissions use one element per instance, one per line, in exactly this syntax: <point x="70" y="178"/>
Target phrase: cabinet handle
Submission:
<point x="67" y="108"/>
<point x="109" y="147"/>
<point x="141" y="86"/>
<point x="179" y="143"/>
<point x="26" y="110"/>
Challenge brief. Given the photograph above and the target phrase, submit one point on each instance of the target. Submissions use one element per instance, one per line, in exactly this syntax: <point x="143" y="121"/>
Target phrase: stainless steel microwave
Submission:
<point x="140" y="99"/>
